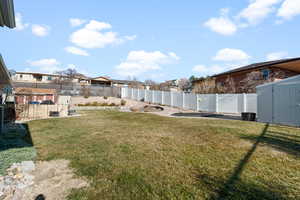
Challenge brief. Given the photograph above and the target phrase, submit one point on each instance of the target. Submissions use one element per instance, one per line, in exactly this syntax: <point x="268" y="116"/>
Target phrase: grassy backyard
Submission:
<point x="144" y="156"/>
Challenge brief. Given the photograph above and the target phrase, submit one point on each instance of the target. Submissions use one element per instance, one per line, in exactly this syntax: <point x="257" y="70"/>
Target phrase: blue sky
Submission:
<point x="151" y="39"/>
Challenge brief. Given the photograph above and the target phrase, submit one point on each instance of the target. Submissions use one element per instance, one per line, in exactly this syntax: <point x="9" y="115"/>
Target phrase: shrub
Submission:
<point x="123" y="102"/>
<point x="105" y="97"/>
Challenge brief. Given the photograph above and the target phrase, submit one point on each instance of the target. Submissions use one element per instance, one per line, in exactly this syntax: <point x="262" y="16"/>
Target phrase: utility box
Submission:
<point x="279" y="102"/>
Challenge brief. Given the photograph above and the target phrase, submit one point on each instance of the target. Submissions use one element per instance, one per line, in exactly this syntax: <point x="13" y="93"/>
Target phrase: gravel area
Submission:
<point x="46" y="180"/>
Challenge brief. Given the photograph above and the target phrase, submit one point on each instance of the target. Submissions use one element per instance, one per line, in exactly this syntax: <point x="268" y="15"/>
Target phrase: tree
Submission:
<point x="183" y="84"/>
<point x="66" y="76"/>
<point x="192" y="78"/>
<point x="204" y="85"/>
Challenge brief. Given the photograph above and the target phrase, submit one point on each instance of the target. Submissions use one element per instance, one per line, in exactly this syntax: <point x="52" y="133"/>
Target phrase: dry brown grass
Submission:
<point x="144" y="156"/>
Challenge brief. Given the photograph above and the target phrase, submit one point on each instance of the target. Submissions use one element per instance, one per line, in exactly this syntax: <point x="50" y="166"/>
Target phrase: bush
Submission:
<point x="123" y="102"/>
<point x="105" y="97"/>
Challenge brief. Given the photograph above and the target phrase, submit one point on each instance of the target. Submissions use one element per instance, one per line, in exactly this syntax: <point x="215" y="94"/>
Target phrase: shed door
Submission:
<point x="287" y="104"/>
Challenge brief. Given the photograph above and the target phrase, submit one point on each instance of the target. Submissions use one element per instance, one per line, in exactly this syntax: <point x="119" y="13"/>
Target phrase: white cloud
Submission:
<point x="258" y="10"/>
<point x="139" y="62"/>
<point x="277" y="55"/>
<point x="76" y="22"/>
<point x="40" y="30"/>
<point x="130" y="37"/>
<point x="48" y="65"/>
<point x="19" y="22"/>
<point x="76" y="51"/>
<point x="229" y="55"/>
<point x="222" y="25"/>
<point x="203" y="70"/>
<point x="92" y="36"/>
<point x="289" y="9"/>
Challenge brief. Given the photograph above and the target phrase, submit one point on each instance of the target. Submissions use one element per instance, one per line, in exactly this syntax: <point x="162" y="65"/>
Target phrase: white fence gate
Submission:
<point x="279" y="102"/>
<point x="218" y="103"/>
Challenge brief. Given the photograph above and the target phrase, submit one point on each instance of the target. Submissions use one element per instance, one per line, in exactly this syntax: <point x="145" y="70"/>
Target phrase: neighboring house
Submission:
<point x="100" y="81"/>
<point x="127" y="83"/>
<point x="176" y="85"/>
<point x="26" y="95"/>
<point x="245" y="79"/>
<point x="33" y="77"/>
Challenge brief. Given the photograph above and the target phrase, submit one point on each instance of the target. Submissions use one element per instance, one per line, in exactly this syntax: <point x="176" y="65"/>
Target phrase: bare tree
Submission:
<point x="227" y="86"/>
<point x="183" y="84"/>
<point x="205" y="85"/>
<point x="67" y="76"/>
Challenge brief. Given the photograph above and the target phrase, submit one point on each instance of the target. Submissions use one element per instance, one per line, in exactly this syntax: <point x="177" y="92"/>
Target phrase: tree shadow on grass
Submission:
<point x="239" y="189"/>
<point x="16" y="136"/>
<point x="234" y="187"/>
<point x="280" y="141"/>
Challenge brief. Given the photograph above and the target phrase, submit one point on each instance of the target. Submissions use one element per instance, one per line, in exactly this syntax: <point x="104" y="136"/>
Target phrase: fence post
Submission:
<point x="217" y="103"/>
<point x="244" y="102"/>
<point x="132" y="95"/>
<point x="153" y="96"/>
<point x="138" y="94"/>
<point x="197" y="102"/>
<point x="172" y="98"/>
<point x="162" y="98"/>
<point x="145" y="95"/>
<point x="183" y="100"/>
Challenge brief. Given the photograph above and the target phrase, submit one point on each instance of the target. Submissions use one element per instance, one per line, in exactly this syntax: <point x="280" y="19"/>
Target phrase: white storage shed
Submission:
<point x="279" y="102"/>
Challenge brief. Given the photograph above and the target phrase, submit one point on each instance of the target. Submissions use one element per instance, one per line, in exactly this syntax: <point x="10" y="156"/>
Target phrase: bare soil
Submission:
<point x="53" y="180"/>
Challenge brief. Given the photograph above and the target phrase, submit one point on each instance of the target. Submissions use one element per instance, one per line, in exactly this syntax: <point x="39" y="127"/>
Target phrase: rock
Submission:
<point x="153" y="108"/>
<point x="137" y="108"/>
<point x="27" y="166"/>
<point x="17" y="179"/>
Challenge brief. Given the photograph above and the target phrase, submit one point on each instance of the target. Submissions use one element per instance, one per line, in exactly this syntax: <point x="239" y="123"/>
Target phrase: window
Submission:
<point x="266" y="73"/>
<point x="49" y="78"/>
<point x="21" y="76"/>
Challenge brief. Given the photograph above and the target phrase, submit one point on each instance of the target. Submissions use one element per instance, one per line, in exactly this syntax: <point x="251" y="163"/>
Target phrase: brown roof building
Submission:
<point x="245" y="79"/>
<point x="27" y="95"/>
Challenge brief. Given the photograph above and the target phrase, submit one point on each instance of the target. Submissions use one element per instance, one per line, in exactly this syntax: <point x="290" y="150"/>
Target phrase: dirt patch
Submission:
<point x="53" y="180"/>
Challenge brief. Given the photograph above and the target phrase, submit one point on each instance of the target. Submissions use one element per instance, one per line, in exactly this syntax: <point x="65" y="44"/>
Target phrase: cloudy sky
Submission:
<point x="151" y="39"/>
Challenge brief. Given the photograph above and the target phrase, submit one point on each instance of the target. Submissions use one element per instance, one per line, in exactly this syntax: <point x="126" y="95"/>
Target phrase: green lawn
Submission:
<point x="144" y="156"/>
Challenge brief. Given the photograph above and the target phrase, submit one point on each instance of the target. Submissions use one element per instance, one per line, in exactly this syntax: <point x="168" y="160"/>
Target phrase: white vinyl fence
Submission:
<point x="218" y="103"/>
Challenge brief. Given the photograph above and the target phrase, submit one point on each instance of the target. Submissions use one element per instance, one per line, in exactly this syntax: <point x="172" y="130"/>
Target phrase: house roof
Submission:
<point x="101" y="78"/>
<point x="283" y="63"/>
<point x="38" y="73"/>
<point x="7" y="13"/>
<point x="126" y="82"/>
<point x="4" y="74"/>
<point x="39" y="91"/>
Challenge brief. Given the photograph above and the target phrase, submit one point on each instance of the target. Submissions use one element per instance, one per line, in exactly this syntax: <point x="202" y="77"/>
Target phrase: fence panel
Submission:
<point x="251" y="103"/>
<point x="228" y="103"/>
<point x="222" y="103"/>
<point x="190" y="101"/>
<point x="158" y="97"/>
<point x="177" y="99"/>
<point x="141" y="95"/>
<point x="134" y="94"/>
<point x="129" y="93"/>
<point x="166" y="98"/>
<point x="207" y="102"/>
<point x="148" y="95"/>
